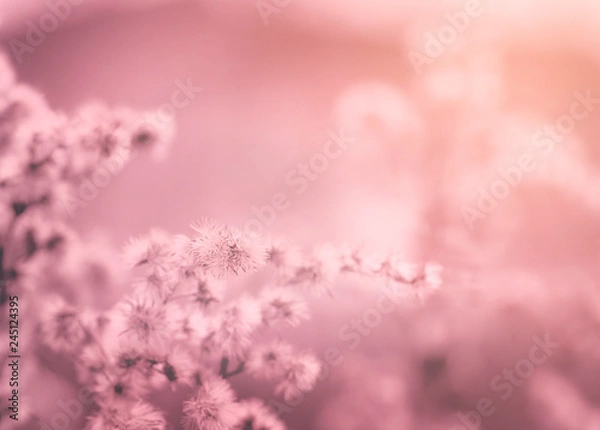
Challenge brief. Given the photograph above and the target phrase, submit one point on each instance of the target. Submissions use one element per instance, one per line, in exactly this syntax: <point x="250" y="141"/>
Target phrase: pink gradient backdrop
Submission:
<point x="270" y="93"/>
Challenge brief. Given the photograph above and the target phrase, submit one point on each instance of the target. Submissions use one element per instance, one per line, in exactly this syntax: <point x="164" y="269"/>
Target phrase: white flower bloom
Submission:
<point x="135" y="416"/>
<point x="213" y="408"/>
<point x="282" y="305"/>
<point x="226" y="251"/>
<point x="144" y="322"/>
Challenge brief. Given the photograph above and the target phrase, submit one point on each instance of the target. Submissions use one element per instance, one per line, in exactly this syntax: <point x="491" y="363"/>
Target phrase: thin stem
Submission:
<point x="225" y="364"/>
<point x="3" y="268"/>
<point x="223" y="367"/>
<point x="3" y="293"/>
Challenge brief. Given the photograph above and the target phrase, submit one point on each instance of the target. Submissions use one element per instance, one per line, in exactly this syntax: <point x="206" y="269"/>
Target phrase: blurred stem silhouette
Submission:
<point x="3" y="294"/>
<point x="5" y="273"/>
<point x="227" y="374"/>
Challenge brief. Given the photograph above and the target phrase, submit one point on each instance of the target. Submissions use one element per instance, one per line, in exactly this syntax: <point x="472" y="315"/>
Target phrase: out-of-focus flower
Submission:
<point x="199" y="290"/>
<point x="118" y="386"/>
<point x="91" y="362"/>
<point x="63" y="262"/>
<point x="144" y="322"/>
<point x="401" y="270"/>
<point x="194" y="327"/>
<point x="317" y="272"/>
<point x="213" y="408"/>
<point x="183" y="256"/>
<point x="282" y="305"/>
<point x="224" y="251"/>
<point x="255" y="415"/>
<point x="234" y="327"/>
<point x="21" y="103"/>
<point x="36" y="234"/>
<point x="154" y="250"/>
<point x="129" y="358"/>
<point x="281" y="255"/>
<point x="157" y="283"/>
<point x="153" y="134"/>
<point x="270" y="361"/>
<point x="300" y="377"/>
<point x="96" y="134"/>
<point x="41" y="149"/>
<point x="428" y="282"/>
<point x="64" y="327"/>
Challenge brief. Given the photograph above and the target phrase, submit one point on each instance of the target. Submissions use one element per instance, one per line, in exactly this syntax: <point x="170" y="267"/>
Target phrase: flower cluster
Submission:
<point x="178" y="327"/>
<point x="47" y="161"/>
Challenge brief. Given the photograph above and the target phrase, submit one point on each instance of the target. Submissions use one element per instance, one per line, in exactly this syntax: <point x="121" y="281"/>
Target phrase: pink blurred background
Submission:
<point x="424" y="145"/>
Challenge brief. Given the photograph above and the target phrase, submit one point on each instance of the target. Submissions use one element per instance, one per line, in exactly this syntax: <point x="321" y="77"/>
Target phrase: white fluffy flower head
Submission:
<point x="225" y="251"/>
<point x="213" y="408"/>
